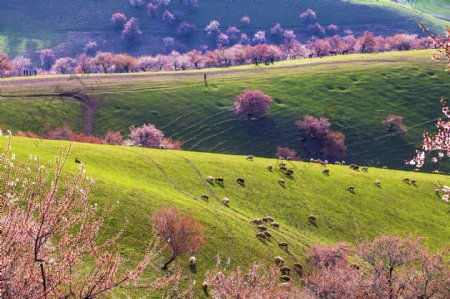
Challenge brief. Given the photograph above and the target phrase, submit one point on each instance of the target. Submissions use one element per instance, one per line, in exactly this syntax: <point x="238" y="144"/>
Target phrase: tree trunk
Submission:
<point x="166" y="265"/>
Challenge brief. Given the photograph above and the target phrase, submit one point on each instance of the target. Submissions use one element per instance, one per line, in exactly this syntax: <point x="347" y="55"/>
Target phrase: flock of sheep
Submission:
<point x="262" y="224"/>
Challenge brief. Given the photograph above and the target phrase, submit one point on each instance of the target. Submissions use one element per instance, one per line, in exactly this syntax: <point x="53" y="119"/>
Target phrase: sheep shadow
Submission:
<point x="282" y="185"/>
<point x="313" y="223"/>
<point x="193" y="269"/>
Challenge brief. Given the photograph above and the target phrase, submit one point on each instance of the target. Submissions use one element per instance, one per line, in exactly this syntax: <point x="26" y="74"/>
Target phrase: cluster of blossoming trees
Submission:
<point x="239" y="54"/>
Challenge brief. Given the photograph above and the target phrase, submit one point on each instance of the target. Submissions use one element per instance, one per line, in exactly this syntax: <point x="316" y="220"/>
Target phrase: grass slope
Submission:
<point x="26" y="26"/>
<point x="356" y="92"/>
<point x="437" y="8"/>
<point x="142" y="180"/>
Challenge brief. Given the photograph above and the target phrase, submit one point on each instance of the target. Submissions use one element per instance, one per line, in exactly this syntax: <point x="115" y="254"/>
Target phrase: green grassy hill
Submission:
<point x="437" y="8"/>
<point x="356" y="92"/>
<point x="142" y="180"/>
<point x="26" y="26"/>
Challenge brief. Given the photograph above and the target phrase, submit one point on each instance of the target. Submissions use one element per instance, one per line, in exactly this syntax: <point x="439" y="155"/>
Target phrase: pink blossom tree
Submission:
<point x="245" y="20"/>
<point x="47" y="57"/>
<point x="253" y="103"/>
<point x="335" y="147"/>
<point x="168" y="18"/>
<point x="131" y="32"/>
<point x="50" y="228"/>
<point x="315" y="128"/>
<point x="152" y="10"/>
<point x="118" y="19"/>
<point x="309" y="15"/>
<point x="394" y="124"/>
<point x="286" y="153"/>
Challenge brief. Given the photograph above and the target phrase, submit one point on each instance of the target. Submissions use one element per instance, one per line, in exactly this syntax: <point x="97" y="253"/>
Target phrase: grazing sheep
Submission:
<point x="269" y="167"/>
<point x="289" y="158"/>
<point x="351" y="189"/>
<point x="285" y="270"/>
<point x="377" y="183"/>
<point x="240" y="181"/>
<point x="312" y="218"/>
<point x="283" y="168"/>
<point x="365" y="169"/>
<point x="413" y="182"/>
<point x="283" y="245"/>
<point x="210" y="179"/>
<point x="192" y="261"/>
<point x="205" y="197"/>
<point x="343" y="162"/>
<point x="323" y="163"/>
<point x="282" y="182"/>
<point x="219" y="181"/>
<point x="406" y="180"/>
<point x="285" y="278"/>
<point x="270" y="219"/>
<point x="282" y="164"/>
<point x="311" y="160"/>
<point x="77" y="161"/>
<point x="256" y="221"/>
<point x="226" y="201"/>
<point x="205" y="286"/>
<point x="261" y="236"/>
<point x="264" y="219"/>
<point x="275" y="224"/>
<point x="268" y="235"/>
<point x="337" y="163"/>
<point x="262" y="228"/>
<point x="298" y="268"/>
<point x="435" y="171"/>
<point x="354" y="167"/>
<point x="385" y="167"/>
<point x="289" y="173"/>
<point x="279" y="261"/>
<point x="249" y="157"/>
<point x="326" y="172"/>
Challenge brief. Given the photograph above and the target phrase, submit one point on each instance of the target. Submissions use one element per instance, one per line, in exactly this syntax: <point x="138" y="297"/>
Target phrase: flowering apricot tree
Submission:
<point x="49" y="235"/>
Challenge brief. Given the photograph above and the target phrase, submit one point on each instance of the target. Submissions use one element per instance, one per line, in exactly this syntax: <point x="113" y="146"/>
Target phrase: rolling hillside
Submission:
<point x="356" y="92"/>
<point x="67" y="25"/>
<point x="141" y="180"/>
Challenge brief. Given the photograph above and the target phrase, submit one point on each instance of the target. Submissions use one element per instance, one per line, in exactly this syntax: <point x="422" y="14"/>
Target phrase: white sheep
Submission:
<point x="192" y="261"/>
<point x="343" y="162"/>
<point x="281" y="182"/>
<point x="210" y="178"/>
<point x="269" y="167"/>
<point x="249" y="157"/>
<point x="377" y="183"/>
<point x="226" y="201"/>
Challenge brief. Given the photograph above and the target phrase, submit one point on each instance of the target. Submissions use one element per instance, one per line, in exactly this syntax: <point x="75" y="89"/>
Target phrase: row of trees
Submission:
<point x="106" y="62"/>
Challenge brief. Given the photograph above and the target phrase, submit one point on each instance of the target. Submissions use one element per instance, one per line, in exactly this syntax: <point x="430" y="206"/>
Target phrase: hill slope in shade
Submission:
<point x="141" y="180"/>
<point x="68" y="25"/>
<point x="356" y="92"/>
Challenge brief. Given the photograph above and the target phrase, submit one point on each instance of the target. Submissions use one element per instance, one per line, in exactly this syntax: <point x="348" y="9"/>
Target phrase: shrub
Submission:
<point x="146" y="136"/>
<point x="222" y="40"/>
<point x="314" y="127"/>
<point x="113" y="138"/>
<point x="118" y="19"/>
<point x="335" y="148"/>
<point x="63" y="133"/>
<point x="86" y="139"/>
<point x="277" y="33"/>
<point x="27" y="134"/>
<point x="286" y="152"/>
<point x="253" y="103"/>
<point x="180" y="231"/>
<point x="394" y="124"/>
<point x="233" y="34"/>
